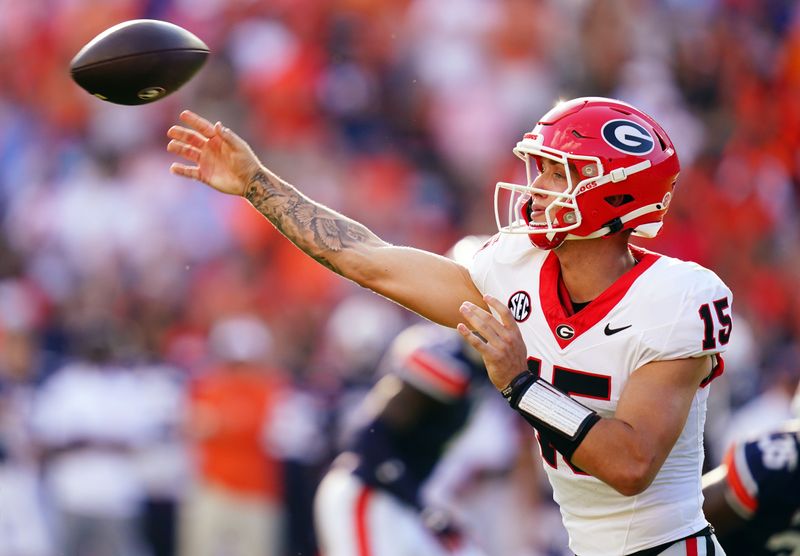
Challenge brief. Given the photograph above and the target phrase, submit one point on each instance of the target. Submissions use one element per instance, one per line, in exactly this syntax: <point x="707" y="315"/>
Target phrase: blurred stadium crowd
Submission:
<point x="127" y="296"/>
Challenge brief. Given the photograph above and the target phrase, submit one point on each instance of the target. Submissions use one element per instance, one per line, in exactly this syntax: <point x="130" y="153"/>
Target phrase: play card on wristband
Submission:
<point x="548" y="404"/>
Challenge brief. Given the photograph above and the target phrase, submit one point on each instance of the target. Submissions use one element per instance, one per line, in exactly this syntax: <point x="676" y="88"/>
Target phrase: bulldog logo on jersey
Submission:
<point x="628" y="137"/>
<point x="565" y="331"/>
<point x="520" y="306"/>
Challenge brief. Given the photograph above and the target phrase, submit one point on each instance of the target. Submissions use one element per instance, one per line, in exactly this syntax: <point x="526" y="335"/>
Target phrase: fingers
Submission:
<point x="182" y="149"/>
<point x="481" y="321"/>
<point x="500" y="309"/>
<point x="486" y="328"/>
<point x="230" y="137"/>
<point x="178" y="169"/>
<point x="197" y="122"/>
<point x="203" y="130"/>
<point x="471" y="336"/>
<point x="188" y="136"/>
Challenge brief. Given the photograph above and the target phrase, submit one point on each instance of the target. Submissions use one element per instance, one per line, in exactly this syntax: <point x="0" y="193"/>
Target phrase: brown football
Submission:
<point x="138" y="61"/>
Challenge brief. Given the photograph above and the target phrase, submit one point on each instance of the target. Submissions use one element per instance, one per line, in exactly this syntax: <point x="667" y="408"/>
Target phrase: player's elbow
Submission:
<point x="632" y="486"/>
<point x="635" y="476"/>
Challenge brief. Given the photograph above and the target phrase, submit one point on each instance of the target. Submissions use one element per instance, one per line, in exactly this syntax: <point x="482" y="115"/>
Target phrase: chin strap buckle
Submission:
<point x="614" y="226"/>
<point x="618" y="174"/>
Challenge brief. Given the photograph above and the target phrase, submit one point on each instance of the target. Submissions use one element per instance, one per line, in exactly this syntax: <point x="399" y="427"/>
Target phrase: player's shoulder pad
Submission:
<point x="424" y="335"/>
<point x="431" y="358"/>
<point x="500" y="252"/>
<point x="673" y="279"/>
<point x="765" y="469"/>
<point x="686" y="310"/>
<point x="676" y="289"/>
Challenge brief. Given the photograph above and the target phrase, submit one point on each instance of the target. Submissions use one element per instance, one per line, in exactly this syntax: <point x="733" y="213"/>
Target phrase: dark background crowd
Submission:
<point x="132" y="302"/>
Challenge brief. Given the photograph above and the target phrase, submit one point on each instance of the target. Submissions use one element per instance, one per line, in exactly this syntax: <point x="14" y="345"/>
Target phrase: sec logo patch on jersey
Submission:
<point x="520" y="306"/>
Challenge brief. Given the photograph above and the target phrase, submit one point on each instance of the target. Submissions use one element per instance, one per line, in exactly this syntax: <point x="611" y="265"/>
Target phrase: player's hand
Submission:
<point x="218" y="156"/>
<point x="500" y="342"/>
<point x="442" y="526"/>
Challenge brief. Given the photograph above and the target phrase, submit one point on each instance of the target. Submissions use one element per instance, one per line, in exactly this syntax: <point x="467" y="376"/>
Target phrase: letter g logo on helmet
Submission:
<point x="627" y="137"/>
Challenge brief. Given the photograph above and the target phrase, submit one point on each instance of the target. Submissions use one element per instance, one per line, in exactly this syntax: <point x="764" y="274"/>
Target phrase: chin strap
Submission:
<point x="619" y="223"/>
<point x="615" y="176"/>
<point x="619" y="174"/>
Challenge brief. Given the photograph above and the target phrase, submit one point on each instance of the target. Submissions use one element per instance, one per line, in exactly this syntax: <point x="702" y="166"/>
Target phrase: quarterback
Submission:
<point x="606" y="349"/>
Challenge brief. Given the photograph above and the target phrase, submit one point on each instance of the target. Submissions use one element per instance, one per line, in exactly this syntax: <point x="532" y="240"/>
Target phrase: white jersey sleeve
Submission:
<point x="501" y="248"/>
<point x="689" y="316"/>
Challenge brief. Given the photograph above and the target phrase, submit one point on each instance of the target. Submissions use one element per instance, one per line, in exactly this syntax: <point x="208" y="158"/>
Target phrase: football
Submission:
<point x="138" y="61"/>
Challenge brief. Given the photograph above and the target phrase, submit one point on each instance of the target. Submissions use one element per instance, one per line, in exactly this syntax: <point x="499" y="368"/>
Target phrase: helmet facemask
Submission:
<point x="562" y="214"/>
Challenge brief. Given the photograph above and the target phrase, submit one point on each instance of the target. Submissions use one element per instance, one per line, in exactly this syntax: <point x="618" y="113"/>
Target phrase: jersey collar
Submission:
<point x="564" y="325"/>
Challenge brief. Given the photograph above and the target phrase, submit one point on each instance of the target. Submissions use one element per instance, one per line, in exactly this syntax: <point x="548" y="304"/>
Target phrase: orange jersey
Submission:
<point x="229" y="409"/>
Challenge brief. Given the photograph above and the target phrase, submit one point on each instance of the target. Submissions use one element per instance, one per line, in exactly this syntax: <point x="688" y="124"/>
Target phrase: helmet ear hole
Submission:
<point x="661" y="140"/>
<point x="618" y="200"/>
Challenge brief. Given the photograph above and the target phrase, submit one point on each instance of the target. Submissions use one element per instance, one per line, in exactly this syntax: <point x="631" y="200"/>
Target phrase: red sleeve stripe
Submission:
<point x="362" y="532"/>
<point x="444" y="377"/>
<point x="741" y="495"/>
<point x="719" y="368"/>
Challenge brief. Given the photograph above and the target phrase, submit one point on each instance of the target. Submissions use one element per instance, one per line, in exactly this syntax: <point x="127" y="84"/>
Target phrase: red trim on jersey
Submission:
<point x="559" y="312"/>
<point x="691" y="546"/>
<point x="563" y="296"/>
<point x="438" y="373"/>
<point x="737" y="486"/>
<point x="362" y="535"/>
<point x="718" y="369"/>
<point x="541" y="451"/>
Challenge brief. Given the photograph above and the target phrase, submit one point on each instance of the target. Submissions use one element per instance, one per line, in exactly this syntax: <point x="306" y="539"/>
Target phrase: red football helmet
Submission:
<point x="627" y="168"/>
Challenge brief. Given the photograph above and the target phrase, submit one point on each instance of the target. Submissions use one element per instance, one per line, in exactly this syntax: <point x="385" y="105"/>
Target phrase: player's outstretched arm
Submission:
<point x="429" y="284"/>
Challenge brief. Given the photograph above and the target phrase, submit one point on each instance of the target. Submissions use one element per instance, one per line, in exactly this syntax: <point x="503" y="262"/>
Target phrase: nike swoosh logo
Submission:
<point x="611" y="331"/>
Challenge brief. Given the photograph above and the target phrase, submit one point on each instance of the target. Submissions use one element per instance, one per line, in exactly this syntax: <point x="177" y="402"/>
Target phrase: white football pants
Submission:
<point x="353" y="520"/>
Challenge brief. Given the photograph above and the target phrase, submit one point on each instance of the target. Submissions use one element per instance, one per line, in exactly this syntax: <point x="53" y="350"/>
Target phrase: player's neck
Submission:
<point x="589" y="267"/>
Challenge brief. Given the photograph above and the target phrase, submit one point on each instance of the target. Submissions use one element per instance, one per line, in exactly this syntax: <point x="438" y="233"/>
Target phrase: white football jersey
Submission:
<point x="662" y="309"/>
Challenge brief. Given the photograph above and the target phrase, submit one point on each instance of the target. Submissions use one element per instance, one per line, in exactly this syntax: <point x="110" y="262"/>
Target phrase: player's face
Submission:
<point x="553" y="177"/>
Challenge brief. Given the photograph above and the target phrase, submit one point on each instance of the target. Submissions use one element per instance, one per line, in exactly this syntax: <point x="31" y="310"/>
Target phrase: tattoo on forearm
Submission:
<point x="313" y="228"/>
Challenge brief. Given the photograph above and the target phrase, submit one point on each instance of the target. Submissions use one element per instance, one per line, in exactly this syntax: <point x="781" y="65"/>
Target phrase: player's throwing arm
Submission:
<point x="429" y="284"/>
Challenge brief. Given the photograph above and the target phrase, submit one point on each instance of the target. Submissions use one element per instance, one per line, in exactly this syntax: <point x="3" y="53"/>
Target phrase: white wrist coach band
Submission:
<point x="546" y="403"/>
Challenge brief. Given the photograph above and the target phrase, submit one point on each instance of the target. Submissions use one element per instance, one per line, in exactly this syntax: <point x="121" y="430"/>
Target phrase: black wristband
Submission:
<point x="548" y="409"/>
<point x="563" y="445"/>
<point x="518" y="385"/>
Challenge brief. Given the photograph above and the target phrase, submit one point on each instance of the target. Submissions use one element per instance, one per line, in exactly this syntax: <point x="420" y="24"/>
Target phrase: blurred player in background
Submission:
<point x="235" y="505"/>
<point x="753" y="497"/>
<point x="371" y="500"/>
<point x="560" y="305"/>
<point x="23" y="526"/>
<point x="90" y="422"/>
